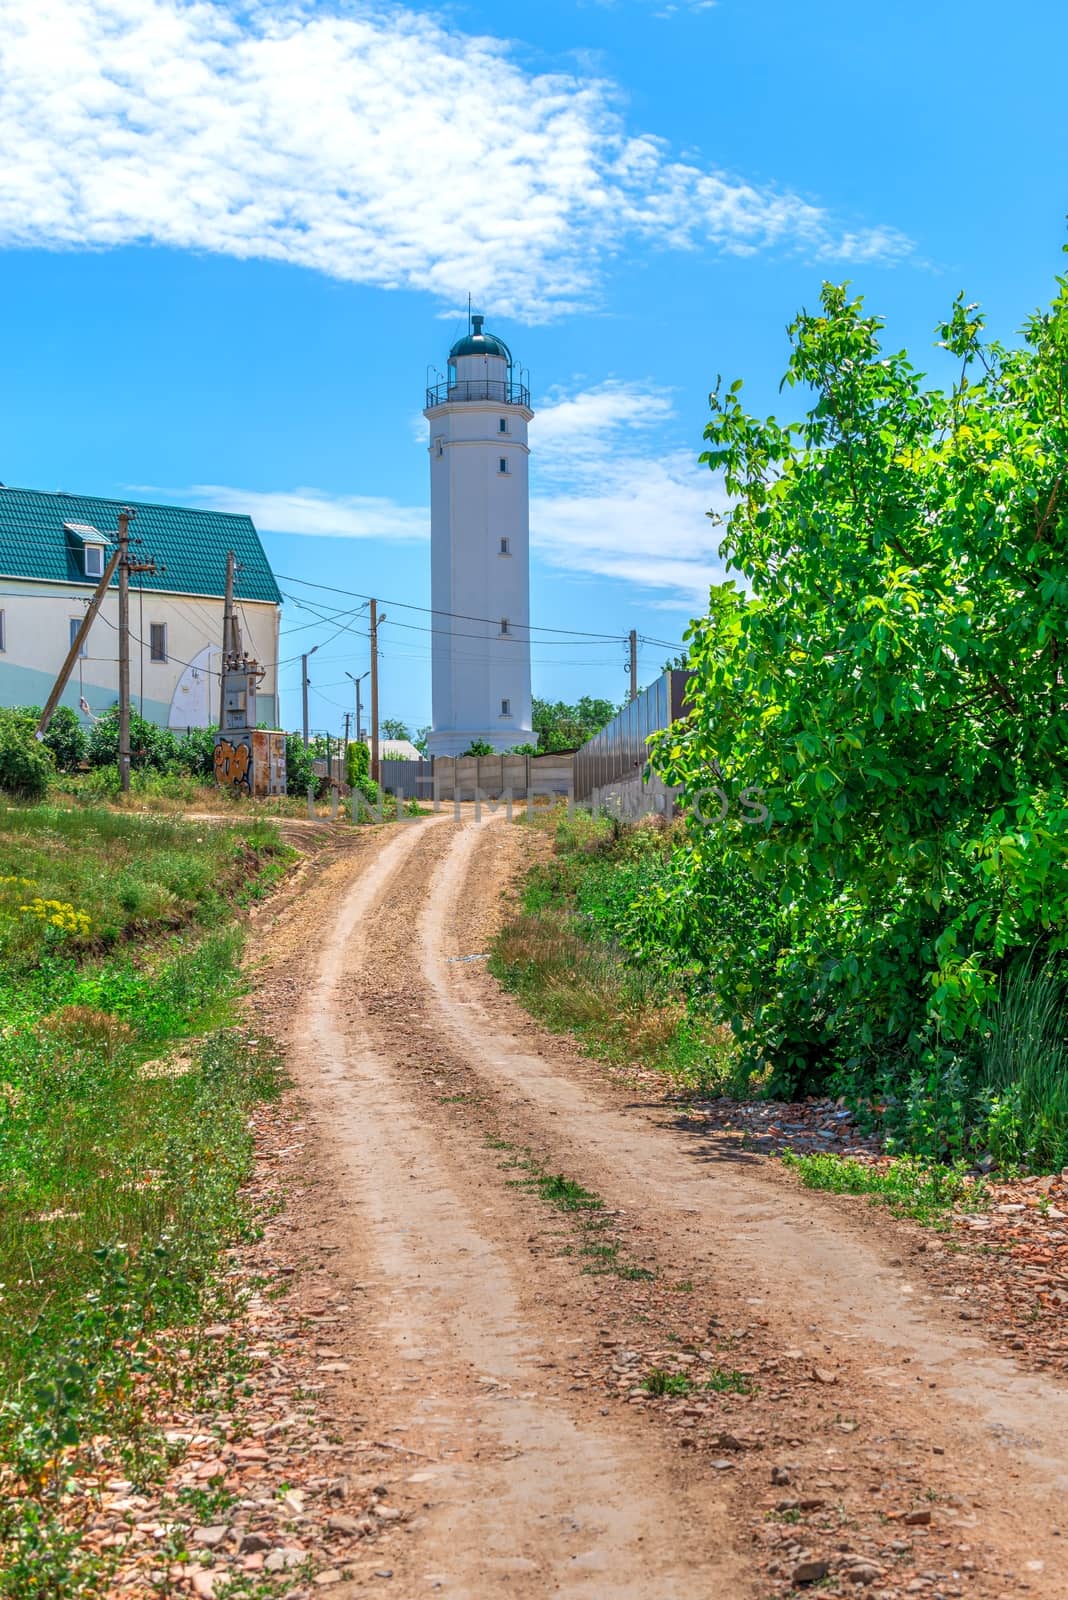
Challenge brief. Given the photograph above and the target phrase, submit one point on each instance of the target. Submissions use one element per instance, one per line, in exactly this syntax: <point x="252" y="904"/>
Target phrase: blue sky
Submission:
<point x="233" y="238"/>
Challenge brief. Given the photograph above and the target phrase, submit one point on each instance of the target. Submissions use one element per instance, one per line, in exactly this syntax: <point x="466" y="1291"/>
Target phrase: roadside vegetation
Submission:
<point x="561" y="953"/>
<point x="169" y="772"/>
<point x="868" y="886"/>
<point x="125" y="1093"/>
<point x="911" y="1186"/>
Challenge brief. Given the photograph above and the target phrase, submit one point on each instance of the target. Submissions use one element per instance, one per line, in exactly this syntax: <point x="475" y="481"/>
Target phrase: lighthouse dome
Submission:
<point x="477" y="343"/>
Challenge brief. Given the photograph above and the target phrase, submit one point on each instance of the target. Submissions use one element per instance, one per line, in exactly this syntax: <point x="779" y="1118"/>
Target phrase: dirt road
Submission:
<point x="831" y="1421"/>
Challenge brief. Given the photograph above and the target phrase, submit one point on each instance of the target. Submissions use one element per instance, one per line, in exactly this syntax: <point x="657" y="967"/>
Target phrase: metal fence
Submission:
<point x="402" y="778"/>
<point x="619" y="751"/>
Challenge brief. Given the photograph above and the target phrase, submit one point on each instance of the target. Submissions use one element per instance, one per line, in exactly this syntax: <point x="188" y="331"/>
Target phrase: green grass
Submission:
<point x="125" y="1094"/>
<point x="1023" y="1070"/>
<point x="133" y="876"/>
<point x="718" y="1380"/>
<point x="660" y="1383"/>
<point x="559" y="955"/>
<point x="723" y="1380"/>
<point x="911" y="1187"/>
<point x="602" y="1255"/>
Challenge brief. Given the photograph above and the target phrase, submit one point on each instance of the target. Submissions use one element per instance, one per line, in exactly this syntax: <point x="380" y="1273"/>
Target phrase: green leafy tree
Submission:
<point x="479" y="747"/>
<point x="421" y="737"/>
<point x="560" y="726"/>
<point x="393" y="728"/>
<point x="893" y="683"/>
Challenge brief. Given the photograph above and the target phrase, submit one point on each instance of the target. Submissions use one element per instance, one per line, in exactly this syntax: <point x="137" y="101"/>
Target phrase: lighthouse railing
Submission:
<point x="502" y="391"/>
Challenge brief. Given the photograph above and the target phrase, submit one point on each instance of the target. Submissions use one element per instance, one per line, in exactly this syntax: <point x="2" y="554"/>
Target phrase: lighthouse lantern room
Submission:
<point x="480" y="537"/>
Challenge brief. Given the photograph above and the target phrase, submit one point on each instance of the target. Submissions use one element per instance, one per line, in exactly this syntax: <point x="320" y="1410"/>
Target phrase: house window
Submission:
<point x="157" y="639"/>
<point x="506" y="708"/>
<point x="75" y="624"/>
<point x="502" y="465"/>
<point x="3" y="630"/>
<point x="94" y="561"/>
<point x="502" y="426"/>
<point x="504" y="625"/>
<point x="505" y="551"/>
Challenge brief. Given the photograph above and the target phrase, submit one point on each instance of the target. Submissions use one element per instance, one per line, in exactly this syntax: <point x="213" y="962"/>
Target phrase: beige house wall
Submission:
<point x="181" y="692"/>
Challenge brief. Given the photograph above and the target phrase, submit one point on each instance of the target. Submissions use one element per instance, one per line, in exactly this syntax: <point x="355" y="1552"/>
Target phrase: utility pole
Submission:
<point x="124" y="651"/>
<point x="304" y="695"/>
<point x="374" y="692"/>
<point x="126" y="566"/>
<point x="359" y="711"/>
<point x="633" y="664"/>
<point x="230" y="649"/>
<point x="345" y="752"/>
<point x="76" y="647"/>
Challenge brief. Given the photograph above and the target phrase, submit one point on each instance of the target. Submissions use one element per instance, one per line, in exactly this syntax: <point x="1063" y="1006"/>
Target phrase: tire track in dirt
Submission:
<point x="1001" y="1430"/>
<point x="526" y="1491"/>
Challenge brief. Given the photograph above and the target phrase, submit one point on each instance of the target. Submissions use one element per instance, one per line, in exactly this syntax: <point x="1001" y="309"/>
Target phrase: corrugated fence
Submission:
<point x="619" y="751"/>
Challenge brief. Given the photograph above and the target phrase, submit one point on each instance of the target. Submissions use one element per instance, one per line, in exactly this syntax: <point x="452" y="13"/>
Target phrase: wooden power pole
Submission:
<point x="76" y="648"/>
<point x="633" y="664"/>
<point x="230" y="648"/>
<point x="374" y="691"/>
<point x="126" y="566"/>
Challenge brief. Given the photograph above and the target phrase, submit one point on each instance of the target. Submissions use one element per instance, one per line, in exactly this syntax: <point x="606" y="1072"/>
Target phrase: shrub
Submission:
<point x="195" y="752"/>
<point x="479" y="747"/>
<point x="357" y="764"/>
<point x="65" y="736"/>
<point x="151" y="747"/>
<point x="25" y="764"/>
<point x="299" y="774"/>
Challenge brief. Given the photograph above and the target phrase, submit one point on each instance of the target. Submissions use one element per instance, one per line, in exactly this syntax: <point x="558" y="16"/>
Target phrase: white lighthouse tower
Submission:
<point x="480" y="538"/>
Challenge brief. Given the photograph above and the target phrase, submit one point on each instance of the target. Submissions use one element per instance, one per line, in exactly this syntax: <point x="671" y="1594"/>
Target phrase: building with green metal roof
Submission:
<point x="53" y="550"/>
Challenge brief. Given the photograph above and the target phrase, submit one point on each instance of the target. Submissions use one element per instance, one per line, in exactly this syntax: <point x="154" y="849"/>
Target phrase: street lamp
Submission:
<point x="357" y="682"/>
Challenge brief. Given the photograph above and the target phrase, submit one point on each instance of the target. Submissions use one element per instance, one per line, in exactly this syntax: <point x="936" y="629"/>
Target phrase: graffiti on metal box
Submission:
<point x="233" y="764"/>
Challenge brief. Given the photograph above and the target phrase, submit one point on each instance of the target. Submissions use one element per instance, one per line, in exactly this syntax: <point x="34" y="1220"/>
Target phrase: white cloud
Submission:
<point x="375" y="146"/>
<point x="311" y="511"/>
<point x="605" y="501"/>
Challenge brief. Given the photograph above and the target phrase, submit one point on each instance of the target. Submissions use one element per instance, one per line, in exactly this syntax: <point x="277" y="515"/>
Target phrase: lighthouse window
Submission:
<point x="504" y="625"/>
<point x="506" y="708"/>
<point x="503" y="425"/>
<point x="441" y="446"/>
<point x="503" y="465"/>
<point x="505" y="551"/>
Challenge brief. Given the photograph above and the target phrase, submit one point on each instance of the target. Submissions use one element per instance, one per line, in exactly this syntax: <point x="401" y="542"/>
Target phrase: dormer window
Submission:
<point x="89" y="542"/>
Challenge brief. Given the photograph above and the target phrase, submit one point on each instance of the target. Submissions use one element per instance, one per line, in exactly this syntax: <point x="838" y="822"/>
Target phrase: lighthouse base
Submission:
<point x="454" y="742"/>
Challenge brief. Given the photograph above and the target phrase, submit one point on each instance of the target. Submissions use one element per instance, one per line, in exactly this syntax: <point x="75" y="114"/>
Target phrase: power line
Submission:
<point x="460" y="616"/>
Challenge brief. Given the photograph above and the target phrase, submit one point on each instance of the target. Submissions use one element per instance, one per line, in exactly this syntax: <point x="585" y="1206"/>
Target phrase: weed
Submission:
<point x="659" y="1383"/>
<point x="722" y="1380"/>
<point x="911" y="1187"/>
